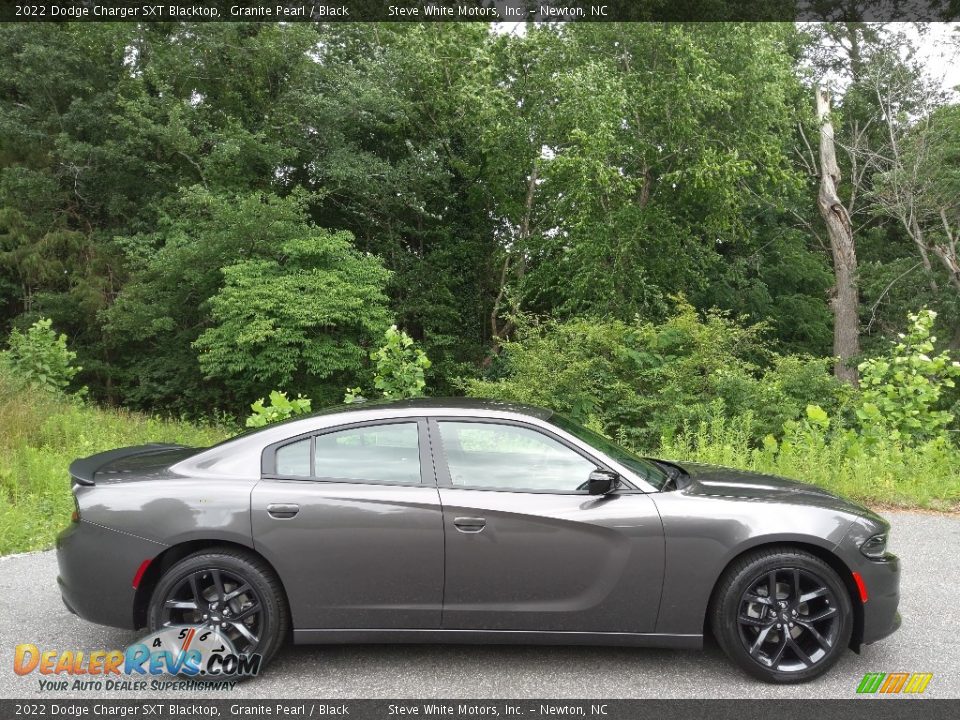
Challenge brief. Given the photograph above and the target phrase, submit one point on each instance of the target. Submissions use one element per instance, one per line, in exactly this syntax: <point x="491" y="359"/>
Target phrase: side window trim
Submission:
<point x="442" y="469"/>
<point x="268" y="458"/>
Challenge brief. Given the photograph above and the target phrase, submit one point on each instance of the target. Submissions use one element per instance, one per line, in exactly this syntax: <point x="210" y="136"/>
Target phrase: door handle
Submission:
<point x="282" y="511"/>
<point x="470" y="524"/>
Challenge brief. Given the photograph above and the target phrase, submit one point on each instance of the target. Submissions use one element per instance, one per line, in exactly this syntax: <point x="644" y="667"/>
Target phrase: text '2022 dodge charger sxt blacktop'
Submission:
<point x="472" y="521"/>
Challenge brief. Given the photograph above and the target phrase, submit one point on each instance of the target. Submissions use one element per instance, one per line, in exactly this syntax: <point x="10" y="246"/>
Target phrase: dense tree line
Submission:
<point x="213" y="211"/>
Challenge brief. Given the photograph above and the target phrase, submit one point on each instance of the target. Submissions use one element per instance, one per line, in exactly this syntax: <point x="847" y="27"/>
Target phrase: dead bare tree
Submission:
<point x="845" y="302"/>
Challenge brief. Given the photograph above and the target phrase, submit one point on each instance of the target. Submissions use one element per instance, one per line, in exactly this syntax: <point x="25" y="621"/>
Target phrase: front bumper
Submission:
<point x="880" y="615"/>
<point x="96" y="570"/>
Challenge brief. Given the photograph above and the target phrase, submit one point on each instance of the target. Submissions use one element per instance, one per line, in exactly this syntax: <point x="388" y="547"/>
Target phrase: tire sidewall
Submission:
<point x="728" y="607"/>
<point x="272" y="632"/>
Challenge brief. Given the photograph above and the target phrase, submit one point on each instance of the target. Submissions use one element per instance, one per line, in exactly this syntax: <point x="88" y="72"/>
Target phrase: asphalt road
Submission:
<point x="929" y="546"/>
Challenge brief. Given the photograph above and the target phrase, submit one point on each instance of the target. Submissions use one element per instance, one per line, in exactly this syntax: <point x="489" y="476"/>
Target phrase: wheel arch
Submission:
<point x="174" y="554"/>
<point x="835" y="562"/>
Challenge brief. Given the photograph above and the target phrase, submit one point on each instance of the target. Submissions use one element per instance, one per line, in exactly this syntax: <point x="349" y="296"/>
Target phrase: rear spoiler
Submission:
<point x="84" y="469"/>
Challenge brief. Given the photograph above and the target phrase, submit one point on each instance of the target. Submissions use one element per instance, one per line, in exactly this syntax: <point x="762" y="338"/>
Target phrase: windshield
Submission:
<point x="644" y="468"/>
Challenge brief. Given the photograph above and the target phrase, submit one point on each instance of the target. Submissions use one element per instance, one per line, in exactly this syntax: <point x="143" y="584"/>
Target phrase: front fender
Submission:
<point x="703" y="534"/>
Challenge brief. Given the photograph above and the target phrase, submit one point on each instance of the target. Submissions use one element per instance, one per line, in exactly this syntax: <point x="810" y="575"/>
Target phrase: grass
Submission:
<point x="887" y="474"/>
<point x="41" y="434"/>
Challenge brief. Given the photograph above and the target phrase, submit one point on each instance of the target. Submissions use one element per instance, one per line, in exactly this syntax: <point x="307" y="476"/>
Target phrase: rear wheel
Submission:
<point x="227" y="590"/>
<point x="782" y="615"/>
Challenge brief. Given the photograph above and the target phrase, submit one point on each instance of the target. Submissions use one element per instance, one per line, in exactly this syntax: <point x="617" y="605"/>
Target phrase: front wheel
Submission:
<point x="228" y="590"/>
<point x="782" y="615"/>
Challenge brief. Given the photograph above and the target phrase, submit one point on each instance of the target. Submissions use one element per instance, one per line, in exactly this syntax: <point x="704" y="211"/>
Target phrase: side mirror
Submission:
<point x="602" y="482"/>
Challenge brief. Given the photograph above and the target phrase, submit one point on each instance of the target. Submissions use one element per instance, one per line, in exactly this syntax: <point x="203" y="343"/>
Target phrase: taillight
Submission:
<point x="75" y="515"/>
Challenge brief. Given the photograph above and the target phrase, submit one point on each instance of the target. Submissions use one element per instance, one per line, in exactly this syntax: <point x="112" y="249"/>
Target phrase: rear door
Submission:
<point x="350" y="518"/>
<point x="527" y="548"/>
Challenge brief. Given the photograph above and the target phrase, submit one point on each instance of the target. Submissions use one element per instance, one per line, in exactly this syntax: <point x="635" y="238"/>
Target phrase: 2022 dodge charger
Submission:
<point x="472" y="522"/>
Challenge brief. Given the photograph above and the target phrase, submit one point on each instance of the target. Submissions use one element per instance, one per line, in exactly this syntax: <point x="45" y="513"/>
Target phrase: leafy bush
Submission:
<point x="641" y="381"/>
<point x="903" y="390"/>
<point x="40" y="358"/>
<point x="280" y="408"/>
<point x="884" y="472"/>
<point x="298" y="319"/>
<point x="398" y="368"/>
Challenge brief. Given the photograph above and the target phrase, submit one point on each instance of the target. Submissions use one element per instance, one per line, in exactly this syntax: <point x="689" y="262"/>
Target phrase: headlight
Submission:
<point x="874" y="547"/>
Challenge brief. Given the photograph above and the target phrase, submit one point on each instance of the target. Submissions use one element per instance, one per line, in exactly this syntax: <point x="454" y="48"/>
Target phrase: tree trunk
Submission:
<point x="947" y="252"/>
<point x="845" y="303"/>
<point x="502" y="332"/>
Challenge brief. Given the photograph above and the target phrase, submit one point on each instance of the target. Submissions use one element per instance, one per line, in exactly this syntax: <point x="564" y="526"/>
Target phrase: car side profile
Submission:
<point x="472" y="521"/>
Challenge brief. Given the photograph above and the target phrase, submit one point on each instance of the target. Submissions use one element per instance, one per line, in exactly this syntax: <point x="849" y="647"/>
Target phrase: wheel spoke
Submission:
<point x="772" y="586"/>
<point x="813" y="594"/>
<point x="218" y="584"/>
<point x="181" y="604"/>
<point x="195" y="589"/>
<point x="761" y="638"/>
<point x="753" y="621"/>
<point x="247" y="612"/>
<point x="795" y="592"/>
<point x="824" y="643"/>
<point x="234" y="593"/>
<point x="245" y="631"/>
<point x="829" y="612"/>
<point x="775" y="660"/>
<point x="759" y="599"/>
<point x="804" y="658"/>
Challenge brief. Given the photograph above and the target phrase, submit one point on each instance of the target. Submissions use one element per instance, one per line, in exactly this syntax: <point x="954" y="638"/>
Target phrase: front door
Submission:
<point x="527" y="548"/>
<point x="350" y="519"/>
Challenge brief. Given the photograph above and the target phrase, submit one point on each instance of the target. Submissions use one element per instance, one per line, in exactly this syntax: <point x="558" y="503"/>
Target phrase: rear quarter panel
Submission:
<point x="171" y="510"/>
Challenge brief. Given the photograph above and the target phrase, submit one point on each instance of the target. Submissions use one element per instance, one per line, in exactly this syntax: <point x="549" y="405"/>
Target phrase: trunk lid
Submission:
<point x="139" y="462"/>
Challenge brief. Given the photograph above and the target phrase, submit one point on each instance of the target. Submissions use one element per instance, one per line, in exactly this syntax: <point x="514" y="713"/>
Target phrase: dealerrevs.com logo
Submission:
<point x="187" y="651"/>
<point x="894" y="683"/>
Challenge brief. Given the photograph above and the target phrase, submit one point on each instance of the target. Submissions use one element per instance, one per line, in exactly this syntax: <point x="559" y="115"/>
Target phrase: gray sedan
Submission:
<point x="471" y="521"/>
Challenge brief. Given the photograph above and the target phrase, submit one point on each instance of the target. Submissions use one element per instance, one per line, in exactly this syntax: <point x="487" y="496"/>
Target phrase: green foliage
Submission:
<point x="902" y="391"/>
<point x="299" y="318"/>
<point x="212" y="212"/>
<point x="398" y="368"/>
<point x="41" y="434"/>
<point x="280" y="408"/>
<point x="644" y="380"/>
<point x="887" y="472"/>
<point x="40" y="358"/>
<point x="237" y="292"/>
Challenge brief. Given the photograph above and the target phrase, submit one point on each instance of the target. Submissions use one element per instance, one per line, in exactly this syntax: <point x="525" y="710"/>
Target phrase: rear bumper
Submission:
<point x="880" y="615"/>
<point x="96" y="570"/>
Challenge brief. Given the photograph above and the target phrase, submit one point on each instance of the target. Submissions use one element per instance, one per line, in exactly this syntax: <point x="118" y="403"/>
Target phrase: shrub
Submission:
<point x="398" y="368"/>
<point x="40" y="358"/>
<point x="641" y="381"/>
<point x="280" y="408"/>
<point x="902" y="391"/>
<point x="885" y="471"/>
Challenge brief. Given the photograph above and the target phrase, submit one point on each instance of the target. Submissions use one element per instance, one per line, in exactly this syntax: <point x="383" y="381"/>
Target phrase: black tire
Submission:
<point x="794" y="637"/>
<point x="231" y="567"/>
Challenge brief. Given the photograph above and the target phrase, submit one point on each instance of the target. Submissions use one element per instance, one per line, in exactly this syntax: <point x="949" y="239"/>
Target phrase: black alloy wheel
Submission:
<point x="227" y="590"/>
<point x="217" y="599"/>
<point x="789" y="620"/>
<point x="783" y="615"/>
